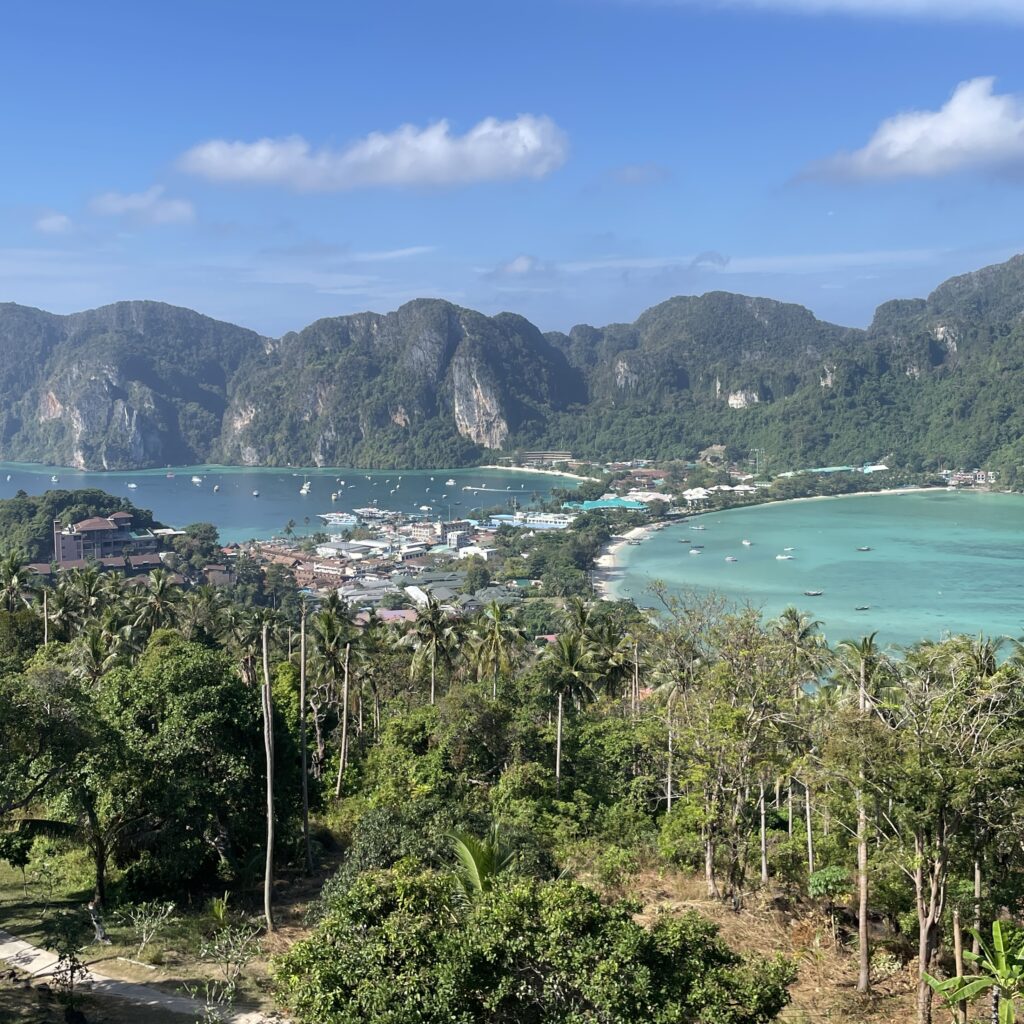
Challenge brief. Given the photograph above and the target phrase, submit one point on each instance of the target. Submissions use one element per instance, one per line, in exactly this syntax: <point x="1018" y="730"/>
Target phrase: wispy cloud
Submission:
<point x="54" y="224"/>
<point x="975" y="129"/>
<point x="526" y="146"/>
<point x="989" y="10"/>
<point x="387" y="255"/>
<point x="149" y="207"/>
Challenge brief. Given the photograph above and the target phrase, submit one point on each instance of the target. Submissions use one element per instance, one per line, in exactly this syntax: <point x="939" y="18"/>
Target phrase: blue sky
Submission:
<point x="571" y="160"/>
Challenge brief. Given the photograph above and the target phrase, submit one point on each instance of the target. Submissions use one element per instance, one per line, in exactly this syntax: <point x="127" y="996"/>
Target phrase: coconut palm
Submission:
<point x="433" y="637"/>
<point x="495" y="641"/>
<point x="202" y="613"/>
<point x="161" y="600"/>
<point x="802" y="648"/>
<point x="569" y="662"/>
<point x="612" y="652"/>
<point x="15" y="582"/>
<point x="480" y="861"/>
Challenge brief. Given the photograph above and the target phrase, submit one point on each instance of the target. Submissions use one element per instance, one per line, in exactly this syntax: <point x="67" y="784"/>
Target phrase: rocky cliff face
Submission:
<point x="141" y="384"/>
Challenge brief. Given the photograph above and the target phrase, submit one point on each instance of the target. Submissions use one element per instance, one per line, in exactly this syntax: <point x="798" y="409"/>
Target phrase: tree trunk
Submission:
<point x="46" y="622"/>
<point x="958" y="957"/>
<point x="268" y="744"/>
<point x="789" y="808"/>
<point x="810" y="832"/>
<point x="709" y="869"/>
<point x="343" y="752"/>
<point x="668" y="770"/>
<point x="635" y="702"/>
<point x="863" y="948"/>
<point x="764" y="841"/>
<point x="976" y="940"/>
<point x="433" y="672"/>
<point x="303" y="746"/>
<point x="558" y="749"/>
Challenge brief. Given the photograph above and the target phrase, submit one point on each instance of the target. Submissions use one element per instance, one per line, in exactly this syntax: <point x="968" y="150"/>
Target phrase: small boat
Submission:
<point x="216" y="488"/>
<point x="863" y="549"/>
<point x="8" y="477"/>
<point x="783" y="558"/>
<point x="304" y="489"/>
<point x="746" y="543"/>
<point x="255" y="494"/>
<point x="132" y="486"/>
<point x="449" y="482"/>
<point x="696" y="527"/>
<point x="334" y="495"/>
<point x="862" y="608"/>
<point x="54" y="479"/>
<point x="425" y="508"/>
<point x="697" y="547"/>
<point x="789" y="549"/>
<point x="684" y="540"/>
<point x="731" y="558"/>
<point x="197" y="480"/>
<point x="813" y="593"/>
<point x="694" y="551"/>
<point x="170" y="476"/>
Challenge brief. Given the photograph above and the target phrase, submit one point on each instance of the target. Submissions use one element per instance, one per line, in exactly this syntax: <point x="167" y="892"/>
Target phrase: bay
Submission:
<point x="239" y="516"/>
<point x="940" y="562"/>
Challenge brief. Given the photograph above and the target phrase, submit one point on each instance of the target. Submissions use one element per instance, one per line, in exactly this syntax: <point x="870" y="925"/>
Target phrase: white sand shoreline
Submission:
<point x="608" y="567"/>
<point x="543" y="472"/>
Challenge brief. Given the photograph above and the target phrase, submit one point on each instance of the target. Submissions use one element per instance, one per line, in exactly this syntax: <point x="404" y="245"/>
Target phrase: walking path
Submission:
<point x="40" y="963"/>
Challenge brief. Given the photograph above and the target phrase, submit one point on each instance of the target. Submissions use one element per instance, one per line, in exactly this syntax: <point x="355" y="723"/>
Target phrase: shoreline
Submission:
<point x="608" y="567"/>
<point x="542" y="472"/>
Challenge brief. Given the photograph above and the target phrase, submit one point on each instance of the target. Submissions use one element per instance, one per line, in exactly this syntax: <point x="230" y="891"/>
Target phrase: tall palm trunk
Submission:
<point x="433" y="671"/>
<point x="268" y="743"/>
<point x="764" y="840"/>
<point x="302" y="744"/>
<point x="863" y="950"/>
<point x="46" y="622"/>
<point x="343" y="753"/>
<point x="958" y="960"/>
<point x="810" y="831"/>
<point x="558" y="749"/>
<point x="668" y="769"/>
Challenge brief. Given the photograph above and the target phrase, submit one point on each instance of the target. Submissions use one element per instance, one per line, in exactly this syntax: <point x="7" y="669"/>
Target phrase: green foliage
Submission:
<point x="525" y="952"/>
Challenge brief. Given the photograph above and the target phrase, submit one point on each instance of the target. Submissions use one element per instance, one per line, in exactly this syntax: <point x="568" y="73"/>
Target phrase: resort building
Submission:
<point x="98" y="539"/>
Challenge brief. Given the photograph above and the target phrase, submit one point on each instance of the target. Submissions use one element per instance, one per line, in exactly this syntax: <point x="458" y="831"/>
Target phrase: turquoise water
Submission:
<point x="239" y="516"/>
<point x="940" y="562"/>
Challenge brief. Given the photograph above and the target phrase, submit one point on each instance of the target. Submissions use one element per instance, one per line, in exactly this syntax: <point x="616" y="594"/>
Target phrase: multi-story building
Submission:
<point x="100" y="538"/>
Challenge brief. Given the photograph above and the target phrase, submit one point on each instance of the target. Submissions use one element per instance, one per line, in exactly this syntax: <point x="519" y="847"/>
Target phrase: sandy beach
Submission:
<point x="606" y="565"/>
<point x="544" y="472"/>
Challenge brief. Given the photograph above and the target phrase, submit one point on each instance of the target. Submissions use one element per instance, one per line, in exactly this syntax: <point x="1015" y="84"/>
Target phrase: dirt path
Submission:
<point x="40" y="963"/>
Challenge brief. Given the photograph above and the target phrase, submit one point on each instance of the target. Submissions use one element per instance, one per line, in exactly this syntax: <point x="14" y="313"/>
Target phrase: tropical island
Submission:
<point x="931" y="384"/>
<point x="350" y="802"/>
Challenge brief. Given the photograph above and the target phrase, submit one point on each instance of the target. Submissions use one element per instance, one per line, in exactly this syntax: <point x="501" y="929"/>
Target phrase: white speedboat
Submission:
<point x="216" y="488"/>
<point x="731" y="558"/>
<point x="783" y="558"/>
<point x="54" y="479"/>
<point x="255" y="494"/>
<point x="197" y="480"/>
<point x="694" y="551"/>
<point x="746" y="543"/>
<point x="132" y="486"/>
<point x="449" y="482"/>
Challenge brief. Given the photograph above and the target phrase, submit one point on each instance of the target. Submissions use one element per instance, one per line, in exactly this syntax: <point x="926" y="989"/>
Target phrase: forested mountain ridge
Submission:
<point x="936" y="381"/>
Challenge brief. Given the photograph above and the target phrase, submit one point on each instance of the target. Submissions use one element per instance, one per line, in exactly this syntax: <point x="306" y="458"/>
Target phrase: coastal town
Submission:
<point x="532" y="555"/>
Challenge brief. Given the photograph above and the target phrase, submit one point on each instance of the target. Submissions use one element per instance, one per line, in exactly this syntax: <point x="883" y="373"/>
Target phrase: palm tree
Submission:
<point x="803" y="649"/>
<point x="570" y="665"/>
<point x="14" y="583"/>
<point x="160" y="605"/>
<point x="266" y="621"/>
<point x="202" y="613"/>
<point x="861" y="664"/>
<point x="333" y="634"/>
<point x="495" y="640"/>
<point x="433" y="636"/>
<point x="480" y="862"/>
<point x="612" y="653"/>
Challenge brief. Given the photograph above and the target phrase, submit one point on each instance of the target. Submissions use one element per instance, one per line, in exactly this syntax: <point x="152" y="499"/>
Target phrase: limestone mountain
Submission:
<point x="931" y="381"/>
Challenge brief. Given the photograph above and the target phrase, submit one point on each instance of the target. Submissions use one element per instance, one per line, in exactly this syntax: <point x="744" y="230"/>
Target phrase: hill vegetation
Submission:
<point x="932" y="382"/>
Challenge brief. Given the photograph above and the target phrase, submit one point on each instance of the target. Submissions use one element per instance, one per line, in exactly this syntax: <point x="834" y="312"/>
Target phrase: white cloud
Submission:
<point x="149" y="207"/>
<point x="975" y="129"/>
<point x="54" y="224"/>
<point x="526" y="146"/>
<point x="386" y="255"/>
<point x="1001" y="10"/>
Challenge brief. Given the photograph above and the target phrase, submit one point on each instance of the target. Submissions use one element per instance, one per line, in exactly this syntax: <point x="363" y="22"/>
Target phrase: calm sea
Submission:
<point x="239" y="515"/>
<point x="939" y="562"/>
